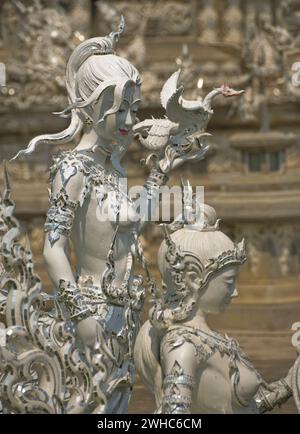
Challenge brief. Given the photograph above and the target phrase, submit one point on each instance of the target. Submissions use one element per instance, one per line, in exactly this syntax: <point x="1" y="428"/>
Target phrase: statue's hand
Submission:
<point x="272" y="395"/>
<point x="87" y="331"/>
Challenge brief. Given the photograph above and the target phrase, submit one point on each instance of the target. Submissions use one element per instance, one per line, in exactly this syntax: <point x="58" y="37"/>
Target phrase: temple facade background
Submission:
<point x="252" y="173"/>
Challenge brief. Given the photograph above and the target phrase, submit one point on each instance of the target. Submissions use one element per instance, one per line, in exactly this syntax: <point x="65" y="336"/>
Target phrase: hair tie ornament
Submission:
<point x="94" y="46"/>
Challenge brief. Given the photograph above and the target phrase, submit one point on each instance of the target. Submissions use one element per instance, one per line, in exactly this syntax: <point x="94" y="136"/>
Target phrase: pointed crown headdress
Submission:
<point x="178" y="259"/>
<point x="176" y="302"/>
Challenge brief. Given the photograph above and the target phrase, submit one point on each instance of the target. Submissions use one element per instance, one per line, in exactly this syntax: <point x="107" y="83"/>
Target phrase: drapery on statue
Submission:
<point x="188" y="367"/>
<point x="76" y="356"/>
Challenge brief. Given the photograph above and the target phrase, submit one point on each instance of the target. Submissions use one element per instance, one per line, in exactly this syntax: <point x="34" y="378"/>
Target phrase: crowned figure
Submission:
<point x="188" y="367"/>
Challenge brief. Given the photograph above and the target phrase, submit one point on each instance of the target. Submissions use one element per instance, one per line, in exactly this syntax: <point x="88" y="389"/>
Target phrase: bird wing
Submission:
<point x="189" y="105"/>
<point x="169" y="88"/>
<point x="143" y="125"/>
<point x="178" y="109"/>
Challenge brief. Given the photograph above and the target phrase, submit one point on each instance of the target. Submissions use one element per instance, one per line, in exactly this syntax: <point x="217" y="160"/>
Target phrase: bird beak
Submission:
<point x="228" y="91"/>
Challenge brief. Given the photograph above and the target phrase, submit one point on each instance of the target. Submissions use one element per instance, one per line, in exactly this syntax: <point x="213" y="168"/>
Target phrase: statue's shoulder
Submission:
<point x="69" y="164"/>
<point x="69" y="175"/>
<point x="178" y="337"/>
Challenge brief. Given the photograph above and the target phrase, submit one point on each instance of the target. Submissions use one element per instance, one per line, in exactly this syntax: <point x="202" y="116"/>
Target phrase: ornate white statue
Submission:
<point x="78" y="358"/>
<point x="187" y="366"/>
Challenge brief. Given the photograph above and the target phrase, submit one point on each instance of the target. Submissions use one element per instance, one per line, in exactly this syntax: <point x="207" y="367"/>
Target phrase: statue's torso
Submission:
<point x="216" y="392"/>
<point x="104" y="205"/>
<point x="225" y="381"/>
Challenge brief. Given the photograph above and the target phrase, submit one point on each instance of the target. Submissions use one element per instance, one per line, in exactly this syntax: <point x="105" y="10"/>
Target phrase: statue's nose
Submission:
<point x="128" y="120"/>
<point x="235" y="293"/>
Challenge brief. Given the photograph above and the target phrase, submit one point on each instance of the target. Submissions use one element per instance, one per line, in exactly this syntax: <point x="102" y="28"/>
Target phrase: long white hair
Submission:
<point x="91" y="70"/>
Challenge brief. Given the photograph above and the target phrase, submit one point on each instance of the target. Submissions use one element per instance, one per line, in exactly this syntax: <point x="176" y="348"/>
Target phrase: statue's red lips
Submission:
<point x="123" y="132"/>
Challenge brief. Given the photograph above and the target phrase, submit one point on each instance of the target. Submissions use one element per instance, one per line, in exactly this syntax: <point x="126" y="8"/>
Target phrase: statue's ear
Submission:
<point x="193" y="272"/>
<point x="192" y="278"/>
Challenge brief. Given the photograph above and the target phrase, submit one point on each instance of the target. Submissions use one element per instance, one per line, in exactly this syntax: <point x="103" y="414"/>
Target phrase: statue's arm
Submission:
<point x="159" y="176"/>
<point x="65" y="199"/>
<point x="57" y="261"/>
<point x="179" y="378"/>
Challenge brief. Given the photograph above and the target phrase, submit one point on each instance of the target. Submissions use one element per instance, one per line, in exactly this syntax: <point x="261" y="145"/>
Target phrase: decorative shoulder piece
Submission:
<point x="178" y="336"/>
<point x="60" y="216"/>
<point x="68" y="164"/>
<point x="91" y="176"/>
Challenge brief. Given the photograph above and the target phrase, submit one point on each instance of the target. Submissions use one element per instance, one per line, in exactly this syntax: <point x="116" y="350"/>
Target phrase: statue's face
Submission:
<point x="117" y="127"/>
<point x="219" y="291"/>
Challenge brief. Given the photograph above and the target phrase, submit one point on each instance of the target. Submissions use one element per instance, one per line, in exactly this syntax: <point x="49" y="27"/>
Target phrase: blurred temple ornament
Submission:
<point x="290" y="19"/>
<point x="135" y="50"/>
<point x="179" y="14"/>
<point x="233" y="19"/>
<point x="43" y="40"/>
<point x="208" y="22"/>
<point x="264" y="58"/>
<point x="2" y="74"/>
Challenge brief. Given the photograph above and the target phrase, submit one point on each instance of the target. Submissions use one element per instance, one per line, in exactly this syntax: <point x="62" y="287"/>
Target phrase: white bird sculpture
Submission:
<point x="184" y="118"/>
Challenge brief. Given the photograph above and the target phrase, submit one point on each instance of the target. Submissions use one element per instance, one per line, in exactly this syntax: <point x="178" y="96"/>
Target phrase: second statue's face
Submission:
<point x="220" y="290"/>
<point x="117" y="127"/>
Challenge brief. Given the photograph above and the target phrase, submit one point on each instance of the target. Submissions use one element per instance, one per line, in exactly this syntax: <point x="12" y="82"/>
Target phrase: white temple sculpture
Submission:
<point x="187" y="366"/>
<point x="72" y="351"/>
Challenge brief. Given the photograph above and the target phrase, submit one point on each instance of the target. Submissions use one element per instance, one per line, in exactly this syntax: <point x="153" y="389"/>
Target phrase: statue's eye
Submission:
<point x="121" y="110"/>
